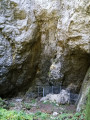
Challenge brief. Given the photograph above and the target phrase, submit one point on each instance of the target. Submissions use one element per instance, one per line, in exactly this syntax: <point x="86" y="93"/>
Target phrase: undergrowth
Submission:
<point x="88" y="107"/>
<point x="6" y="114"/>
<point x="14" y="115"/>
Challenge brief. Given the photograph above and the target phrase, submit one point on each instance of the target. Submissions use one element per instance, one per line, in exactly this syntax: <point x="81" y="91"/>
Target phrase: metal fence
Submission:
<point x="44" y="90"/>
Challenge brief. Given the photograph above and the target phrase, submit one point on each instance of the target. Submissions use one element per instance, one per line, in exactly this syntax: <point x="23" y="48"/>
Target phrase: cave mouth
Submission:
<point x="75" y="66"/>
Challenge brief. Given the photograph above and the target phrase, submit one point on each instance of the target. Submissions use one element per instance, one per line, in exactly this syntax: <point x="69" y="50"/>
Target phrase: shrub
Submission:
<point x="88" y="107"/>
<point x="14" y="115"/>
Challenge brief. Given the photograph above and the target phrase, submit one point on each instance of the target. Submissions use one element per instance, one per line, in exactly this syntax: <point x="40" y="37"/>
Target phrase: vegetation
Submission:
<point x="14" y="115"/>
<point x="88" y="107"/>
<point x="3" y="104"/>
<point x="6" y="114"/>
<point x="27" y="106"/>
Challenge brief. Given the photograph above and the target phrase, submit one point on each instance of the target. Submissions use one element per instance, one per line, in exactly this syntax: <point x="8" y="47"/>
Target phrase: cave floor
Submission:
<point x="34" y="105"/>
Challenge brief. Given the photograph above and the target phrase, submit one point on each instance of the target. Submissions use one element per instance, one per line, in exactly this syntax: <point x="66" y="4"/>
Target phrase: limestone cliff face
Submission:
<point x="43" y="42"/>
<point x="84" y="91"/>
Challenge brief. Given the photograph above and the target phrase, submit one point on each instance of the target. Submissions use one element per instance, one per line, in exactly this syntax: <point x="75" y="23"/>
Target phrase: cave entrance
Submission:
<point x="74" y="66"/>
<point x="42" y="91"/>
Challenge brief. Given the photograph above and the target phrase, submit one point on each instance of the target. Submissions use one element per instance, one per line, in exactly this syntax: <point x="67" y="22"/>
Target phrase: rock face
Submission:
<point x="62" y="98"/>
<point x="43" y="42"/>
<point x="84" y="91"/>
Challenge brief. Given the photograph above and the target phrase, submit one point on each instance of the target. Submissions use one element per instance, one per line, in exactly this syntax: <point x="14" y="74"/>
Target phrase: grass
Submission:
<point x="21" y="115"/>
<point x="42" y="116"/>
<point x="48" y="102"/>
<point x="15" y="115"/>
<point x="26" y="106"/>
<point x="3" y="104"/>
<point x="33" y="101"/>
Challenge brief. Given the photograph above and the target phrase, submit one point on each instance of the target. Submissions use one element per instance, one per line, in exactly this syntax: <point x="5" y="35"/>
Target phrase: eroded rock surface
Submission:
<point x="43" y="43"/>
<point x="84" y="92"/>
<point x="62" y="98"/>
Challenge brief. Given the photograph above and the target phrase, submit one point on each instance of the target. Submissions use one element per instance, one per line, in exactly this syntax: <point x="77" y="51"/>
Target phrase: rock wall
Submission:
<point x="84" y="92"/>
<point x="43" y="43"/>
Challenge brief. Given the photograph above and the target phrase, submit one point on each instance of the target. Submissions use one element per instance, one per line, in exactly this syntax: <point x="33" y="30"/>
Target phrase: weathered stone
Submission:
<point x="84" y="92"/>
<point x="62" y="98"/>
<point x="55" y="114"/>
<point x="2" y="20"/>
<point x="43" y="43"/>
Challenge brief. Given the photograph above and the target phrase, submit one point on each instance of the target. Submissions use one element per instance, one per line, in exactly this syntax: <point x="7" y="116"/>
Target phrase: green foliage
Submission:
<point x="88" y="107"/>
<point x="55" y="104"/>
<point x="46" y="102"/>
<point x="69" y="116"/>
<point x="65" y="116"/>
<point x="13" y="115"/>
<point x="3" y="104"/>
<point x="11" y="105"/>
<point x="42" y="116"/>
<point x="27" y="106"/>
<point x="33" y="101"/>
<point x="79" y="116"/>
<point x="49" y="102"/>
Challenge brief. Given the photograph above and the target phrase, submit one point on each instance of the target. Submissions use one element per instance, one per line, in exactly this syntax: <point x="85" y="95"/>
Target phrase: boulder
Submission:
<point x="62" y="98"/>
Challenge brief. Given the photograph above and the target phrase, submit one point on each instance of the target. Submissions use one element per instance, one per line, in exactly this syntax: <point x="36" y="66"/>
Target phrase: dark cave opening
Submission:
<point x="74" y="67"/>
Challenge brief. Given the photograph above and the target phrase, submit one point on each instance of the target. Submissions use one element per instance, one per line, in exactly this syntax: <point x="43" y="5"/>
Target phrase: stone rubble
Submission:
<point x="62" y="98"/>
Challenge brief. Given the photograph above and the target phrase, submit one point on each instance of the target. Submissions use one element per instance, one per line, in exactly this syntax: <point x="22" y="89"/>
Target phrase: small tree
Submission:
<point x="88" y="107"/>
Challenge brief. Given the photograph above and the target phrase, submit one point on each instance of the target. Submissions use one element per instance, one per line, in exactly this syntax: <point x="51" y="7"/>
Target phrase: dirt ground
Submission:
<point x="34" y="105"/>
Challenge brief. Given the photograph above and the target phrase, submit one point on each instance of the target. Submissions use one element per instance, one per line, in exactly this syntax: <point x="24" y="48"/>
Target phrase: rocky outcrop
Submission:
<point x="62" y="98"/>
<point x="20" y="45"/>
<point x="84" y="91"/>
<point x="43" y="43"/>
